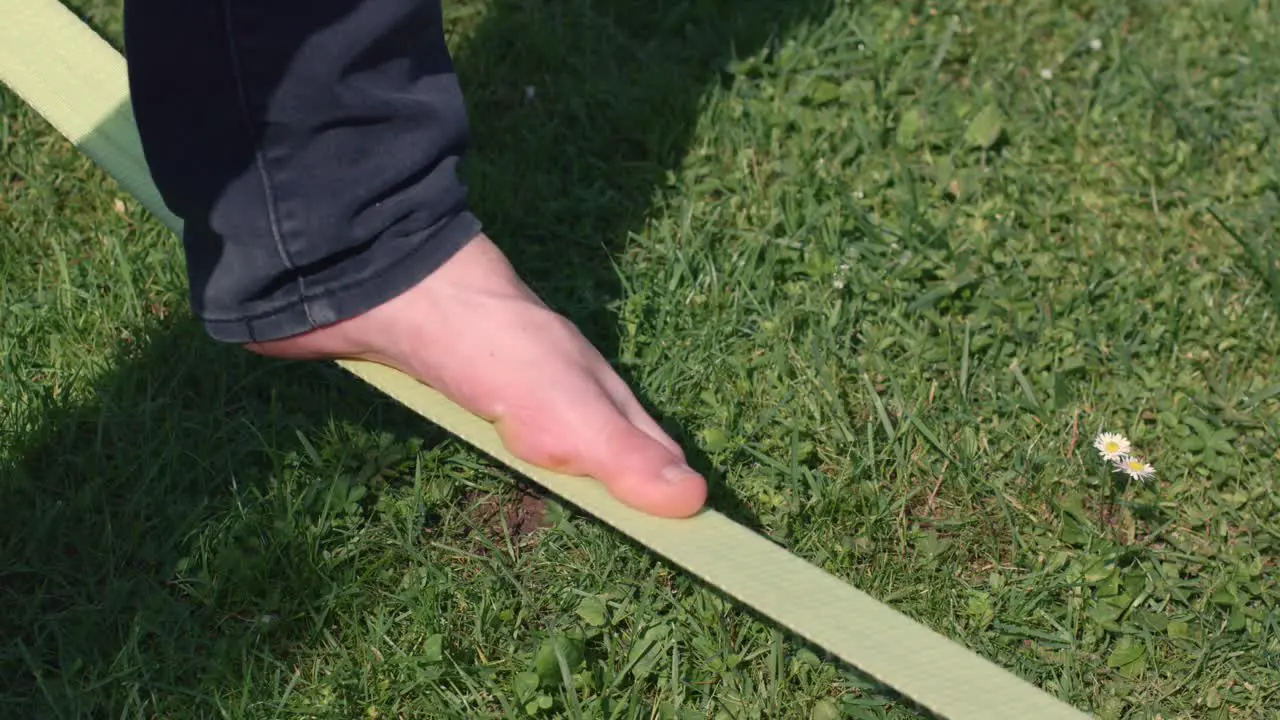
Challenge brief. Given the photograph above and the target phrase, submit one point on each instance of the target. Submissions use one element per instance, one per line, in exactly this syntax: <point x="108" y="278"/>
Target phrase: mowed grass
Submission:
<point x="885" y="268"/>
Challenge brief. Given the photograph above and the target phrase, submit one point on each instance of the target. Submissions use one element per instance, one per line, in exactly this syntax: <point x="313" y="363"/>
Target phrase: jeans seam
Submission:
<point x="260" y="163"/>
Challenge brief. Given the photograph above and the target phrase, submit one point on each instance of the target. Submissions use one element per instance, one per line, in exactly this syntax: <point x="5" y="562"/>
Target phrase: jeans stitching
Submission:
<point x="260" y="163"/>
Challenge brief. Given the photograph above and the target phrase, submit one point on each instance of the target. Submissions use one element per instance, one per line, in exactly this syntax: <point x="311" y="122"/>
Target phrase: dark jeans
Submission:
<point x="311" y="149"/>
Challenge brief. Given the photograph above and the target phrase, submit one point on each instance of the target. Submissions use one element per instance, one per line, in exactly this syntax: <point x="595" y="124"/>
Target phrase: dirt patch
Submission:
<point x="495" y="515"/>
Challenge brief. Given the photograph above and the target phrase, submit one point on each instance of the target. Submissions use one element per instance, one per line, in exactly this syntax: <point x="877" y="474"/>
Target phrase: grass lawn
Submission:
<point x="885" y="267"/>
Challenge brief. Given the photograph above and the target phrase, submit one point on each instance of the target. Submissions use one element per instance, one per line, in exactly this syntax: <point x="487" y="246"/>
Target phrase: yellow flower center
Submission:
<point x="1113" y="446"/>
<point x="1134" y="465"/>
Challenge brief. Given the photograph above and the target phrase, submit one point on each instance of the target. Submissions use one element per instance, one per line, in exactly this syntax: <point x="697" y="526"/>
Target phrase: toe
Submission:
<point x="644" y="474"/>
<point x="583" y="433"/>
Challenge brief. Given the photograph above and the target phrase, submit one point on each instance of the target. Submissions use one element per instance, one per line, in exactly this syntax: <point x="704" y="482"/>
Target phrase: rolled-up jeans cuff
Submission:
<point x="324" y="306"/>
<point x="311" y="149"/>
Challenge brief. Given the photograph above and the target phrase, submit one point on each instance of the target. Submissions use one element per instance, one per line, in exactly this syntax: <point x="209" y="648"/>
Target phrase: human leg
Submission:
<point x="312" y="153"/>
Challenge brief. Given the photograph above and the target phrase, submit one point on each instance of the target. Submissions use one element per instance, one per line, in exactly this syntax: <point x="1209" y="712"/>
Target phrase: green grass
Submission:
<point x="884" y="267"/>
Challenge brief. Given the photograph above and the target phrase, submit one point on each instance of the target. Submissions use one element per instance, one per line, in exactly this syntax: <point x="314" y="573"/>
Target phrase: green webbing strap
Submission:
<point x="78" y="83"/>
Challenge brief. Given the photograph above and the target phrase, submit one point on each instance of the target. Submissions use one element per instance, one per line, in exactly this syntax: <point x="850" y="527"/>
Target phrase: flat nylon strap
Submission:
<point x="78" y="82"/>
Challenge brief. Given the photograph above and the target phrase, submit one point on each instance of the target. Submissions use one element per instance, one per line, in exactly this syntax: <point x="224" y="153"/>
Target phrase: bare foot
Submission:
<point x="475" y="332"/>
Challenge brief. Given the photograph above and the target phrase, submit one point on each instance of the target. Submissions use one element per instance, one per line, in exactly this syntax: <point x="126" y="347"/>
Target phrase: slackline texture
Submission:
<point x="78" y="83"/>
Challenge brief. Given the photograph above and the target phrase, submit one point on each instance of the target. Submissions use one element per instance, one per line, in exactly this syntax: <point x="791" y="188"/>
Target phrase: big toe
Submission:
<point x="597" y="441"/>
<point x="644" y="474"/>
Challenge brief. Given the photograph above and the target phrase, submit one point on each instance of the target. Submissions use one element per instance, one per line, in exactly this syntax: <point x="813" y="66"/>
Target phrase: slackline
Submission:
<point x="78" y="82"/>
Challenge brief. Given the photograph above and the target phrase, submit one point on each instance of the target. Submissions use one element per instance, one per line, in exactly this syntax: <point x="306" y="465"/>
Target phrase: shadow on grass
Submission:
<point x="105" y="497"/>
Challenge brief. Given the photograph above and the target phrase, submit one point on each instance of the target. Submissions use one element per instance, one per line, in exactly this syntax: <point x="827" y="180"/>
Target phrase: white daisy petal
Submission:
<point x="1111" y="446"/>
<point x="1135" y="467"/>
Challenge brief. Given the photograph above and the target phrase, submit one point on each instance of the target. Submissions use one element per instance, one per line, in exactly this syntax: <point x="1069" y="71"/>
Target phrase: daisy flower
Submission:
<point x="1111" y="446"/>
<point x="1135" y="467"/>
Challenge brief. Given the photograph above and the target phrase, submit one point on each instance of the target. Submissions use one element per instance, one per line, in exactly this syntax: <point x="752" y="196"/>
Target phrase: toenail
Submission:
<point x="678" y="473"/>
